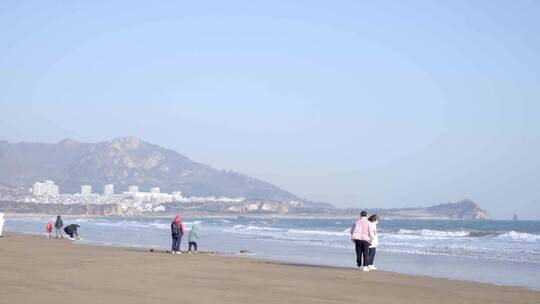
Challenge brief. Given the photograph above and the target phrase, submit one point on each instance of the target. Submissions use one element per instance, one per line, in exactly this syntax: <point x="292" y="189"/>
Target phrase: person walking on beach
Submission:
<point x="58" y="225"/>
<point x="362" y="235"/>
<point x="193" y="237"/>
<point x="49" y="229"/>
<point x="373" y="221"/>
<point x="177" y="231"/>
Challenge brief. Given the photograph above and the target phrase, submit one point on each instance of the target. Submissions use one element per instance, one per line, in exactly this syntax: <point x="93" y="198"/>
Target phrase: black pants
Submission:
<point x="176" y="243"/>
<point x="372" y="252"/>
<point x="362" y="250"/>
<point x="194" y="244"/>
<point x="72" y="233"/>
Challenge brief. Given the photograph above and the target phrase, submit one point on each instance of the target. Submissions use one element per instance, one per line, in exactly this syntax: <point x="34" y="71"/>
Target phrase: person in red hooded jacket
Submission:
<point x="49" y="229"/>
<point x="177" y="232"/>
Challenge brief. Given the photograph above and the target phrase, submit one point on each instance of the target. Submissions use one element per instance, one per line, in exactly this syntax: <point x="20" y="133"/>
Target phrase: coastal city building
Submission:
<point x="108" y="189"/>
<point x="47" y="192"/>
<point x="86" y="189"/>
<point x="149" y="197"/>
<point x="48" y="187"/>
<point x="177" y="195"/>
<point x="38" y="189"/>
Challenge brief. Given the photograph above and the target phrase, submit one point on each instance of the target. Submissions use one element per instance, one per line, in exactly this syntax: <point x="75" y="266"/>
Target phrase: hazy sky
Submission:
<point x="359" y="103"/>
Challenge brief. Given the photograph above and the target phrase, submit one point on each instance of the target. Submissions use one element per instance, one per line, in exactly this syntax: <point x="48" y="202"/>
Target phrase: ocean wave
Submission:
<point x="287" y="233"/>
<point x="83" y="220"/>
<point x="520" y="236"/>
<point x="129" y="224"/>
<point x="160" y="226"/>
<point x="434" y="233"/>
<point x="483" y="233"/>
<point x="253" y="227"/>
<point x="511" y="235"/>
<point x="319" y="232"/>
<point x="192" y="223"/>
<point x="269" y="231"/>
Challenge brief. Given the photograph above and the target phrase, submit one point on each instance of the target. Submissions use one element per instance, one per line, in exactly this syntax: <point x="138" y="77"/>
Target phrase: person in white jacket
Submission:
<point x="373" y="220"/>
<point x="1" y="223"/>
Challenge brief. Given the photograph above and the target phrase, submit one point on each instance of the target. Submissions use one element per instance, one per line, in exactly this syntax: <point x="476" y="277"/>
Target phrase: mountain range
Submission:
<point x="123" y="162"/>
<point x="129" y="161"/>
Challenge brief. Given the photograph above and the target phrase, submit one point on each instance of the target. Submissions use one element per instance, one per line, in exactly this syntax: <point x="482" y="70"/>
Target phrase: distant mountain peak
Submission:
<point x="125" y="161"/>
<point x="128" y="142"/>
<point x="68" y="143"/>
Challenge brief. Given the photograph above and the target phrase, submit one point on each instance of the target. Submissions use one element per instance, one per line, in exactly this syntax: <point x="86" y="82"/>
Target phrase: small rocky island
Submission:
<point x="463" y="210"/>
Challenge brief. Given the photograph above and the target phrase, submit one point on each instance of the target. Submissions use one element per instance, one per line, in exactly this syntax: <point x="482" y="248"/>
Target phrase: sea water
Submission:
<point x="499" y="252"/>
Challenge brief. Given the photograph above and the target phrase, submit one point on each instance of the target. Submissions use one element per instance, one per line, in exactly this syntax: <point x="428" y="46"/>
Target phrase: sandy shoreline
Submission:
<point x="35" y="269"/>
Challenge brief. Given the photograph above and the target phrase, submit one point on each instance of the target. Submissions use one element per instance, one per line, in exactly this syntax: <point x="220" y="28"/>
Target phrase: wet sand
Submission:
<point x="36" y="270"/>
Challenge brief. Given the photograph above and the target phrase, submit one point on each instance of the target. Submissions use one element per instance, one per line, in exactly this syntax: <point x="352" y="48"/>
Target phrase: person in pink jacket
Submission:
<point x="362" y="234"/>
<point x="177" y="231"/>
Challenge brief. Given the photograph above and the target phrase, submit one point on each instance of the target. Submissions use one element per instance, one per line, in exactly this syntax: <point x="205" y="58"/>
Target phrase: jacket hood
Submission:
<point x="178" y="218"/>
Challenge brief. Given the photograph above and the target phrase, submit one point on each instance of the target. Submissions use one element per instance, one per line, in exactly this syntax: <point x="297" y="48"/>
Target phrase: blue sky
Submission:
<point x="359" y="103"/>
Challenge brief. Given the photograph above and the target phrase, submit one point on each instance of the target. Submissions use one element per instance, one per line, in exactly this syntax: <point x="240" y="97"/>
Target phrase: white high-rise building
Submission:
<point x="177" y="195"/>
<point x="51" y="188"/>
<point x="86" y="189"/>
<point x="54" y="190"/>
<point x="154" y="190"/>
<point x="108" y="189"/>
<point x="46" y="188"/>
<point x="38" y="189"/>
<point x="133" y="189"/>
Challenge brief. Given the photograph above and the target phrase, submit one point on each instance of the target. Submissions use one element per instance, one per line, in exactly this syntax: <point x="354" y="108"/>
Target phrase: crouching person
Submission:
<point x="71" y="230"/>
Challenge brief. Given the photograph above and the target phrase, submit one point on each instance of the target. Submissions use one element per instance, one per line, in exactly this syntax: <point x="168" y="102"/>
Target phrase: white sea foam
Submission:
<point x="254" y="227"/>
<point x="434" y="233"/>
<point x="438" y="234"/>
<point x="520" y="236"/>
<point x="319" y="232"/>
<point x="83" y="220"/>
<point x="160" y="226"/>
<point x="283" y="231"/>
<point x="192" y="223"/>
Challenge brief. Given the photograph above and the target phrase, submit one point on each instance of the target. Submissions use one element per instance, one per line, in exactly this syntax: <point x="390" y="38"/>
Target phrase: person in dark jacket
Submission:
<point x="71" y="230"/>
<point x="58" y="225"/>
<point x="177" y="231"/>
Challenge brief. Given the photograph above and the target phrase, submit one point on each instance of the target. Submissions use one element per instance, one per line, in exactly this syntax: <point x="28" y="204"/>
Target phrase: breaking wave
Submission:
<point x="520" y="236"/>
<point x="434" y="233"/>
<point x="511" y="235"/>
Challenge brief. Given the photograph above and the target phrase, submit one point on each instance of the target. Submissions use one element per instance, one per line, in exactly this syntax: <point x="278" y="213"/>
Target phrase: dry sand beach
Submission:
<point x="37" y="270"/>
